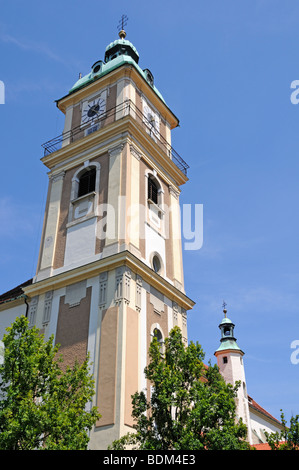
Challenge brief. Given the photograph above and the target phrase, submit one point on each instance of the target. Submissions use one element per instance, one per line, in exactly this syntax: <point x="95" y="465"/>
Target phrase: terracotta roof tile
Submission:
<point x="263" y="446"/>
<point x="256" y="406"/>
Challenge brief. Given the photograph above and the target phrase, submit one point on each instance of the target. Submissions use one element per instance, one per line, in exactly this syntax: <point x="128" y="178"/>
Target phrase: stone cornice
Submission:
<point x="105" y="264"/>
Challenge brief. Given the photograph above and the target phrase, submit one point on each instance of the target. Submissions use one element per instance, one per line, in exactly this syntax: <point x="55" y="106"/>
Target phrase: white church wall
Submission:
<point x="260" y="425"/>
<point x="154" y="244"/>
<point x="7" y="317"/>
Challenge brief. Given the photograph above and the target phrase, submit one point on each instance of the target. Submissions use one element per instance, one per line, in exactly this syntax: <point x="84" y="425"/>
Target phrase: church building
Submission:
<point x="110" y="275"/>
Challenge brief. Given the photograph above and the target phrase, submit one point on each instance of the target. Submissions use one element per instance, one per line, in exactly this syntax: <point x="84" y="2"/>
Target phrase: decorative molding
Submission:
<point x="32" y="311"/>
<point x="47" y="307"/>
<point x="103" y="289"/>
<point x="175" y="309"/>
<point x="122" y="285"/>
<point x="184" y="318"/>
<point x="75" y="293"/>
<point x="58" y="177"/>
<point x="135" y="152"/>
<point x="157" y="300"/>
<point x="113" y="151"/>
<point x="138" y="293"/>
<point x="173" y="191"/>
<point x="114" y="261"/>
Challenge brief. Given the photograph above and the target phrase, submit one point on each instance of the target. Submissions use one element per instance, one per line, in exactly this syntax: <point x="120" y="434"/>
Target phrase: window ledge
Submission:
<point x="80" y="220"/>
<point x="156" y="206"/>
<point x="85" y="196"/>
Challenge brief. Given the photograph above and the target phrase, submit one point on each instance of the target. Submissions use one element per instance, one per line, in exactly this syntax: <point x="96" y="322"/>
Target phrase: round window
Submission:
<point x="156" y="264"/>
<point x="97" y="68"/>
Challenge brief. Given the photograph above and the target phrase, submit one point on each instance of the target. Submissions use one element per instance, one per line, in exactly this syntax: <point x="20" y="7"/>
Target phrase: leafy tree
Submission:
<point x="42" y="406"/>
<point x="288" y="438"/>
<point x="190" y="407"/>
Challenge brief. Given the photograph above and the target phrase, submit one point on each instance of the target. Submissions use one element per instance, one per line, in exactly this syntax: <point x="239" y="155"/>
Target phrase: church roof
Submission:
<point x="226" y="320"/>
<point x="127" y="54"/>
<point x="14" y="293"/>
<point x="263" y="446"/>
<point x="255" y="406"/>
<point x="228" y="343"/>
<point x="121" y="42"/>
<point x="107" y="68"/>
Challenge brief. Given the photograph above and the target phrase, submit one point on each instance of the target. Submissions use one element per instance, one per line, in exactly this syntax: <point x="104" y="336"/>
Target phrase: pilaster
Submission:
<point x="51" y="224"/>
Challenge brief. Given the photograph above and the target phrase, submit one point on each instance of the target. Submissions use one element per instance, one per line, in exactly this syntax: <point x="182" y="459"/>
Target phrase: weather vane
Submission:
<point x="121" y="26"/>
<point x="224" y="307"/>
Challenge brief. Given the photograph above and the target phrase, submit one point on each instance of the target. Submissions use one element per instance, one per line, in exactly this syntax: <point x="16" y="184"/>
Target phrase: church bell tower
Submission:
<point x="231" y="366"/>
<point x="110" y="271"/>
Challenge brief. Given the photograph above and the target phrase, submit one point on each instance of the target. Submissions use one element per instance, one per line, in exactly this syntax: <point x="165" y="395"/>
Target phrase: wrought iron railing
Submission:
<point x="120" y="111"/>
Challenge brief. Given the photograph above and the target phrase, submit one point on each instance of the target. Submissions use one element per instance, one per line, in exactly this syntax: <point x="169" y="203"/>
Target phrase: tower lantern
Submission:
<point x="228" y="340"/>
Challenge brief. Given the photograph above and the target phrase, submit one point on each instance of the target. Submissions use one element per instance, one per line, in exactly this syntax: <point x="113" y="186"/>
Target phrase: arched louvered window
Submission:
<point x="152" y="190"/>
<point x="158" y="335"/>
<point x="87" y="182"/>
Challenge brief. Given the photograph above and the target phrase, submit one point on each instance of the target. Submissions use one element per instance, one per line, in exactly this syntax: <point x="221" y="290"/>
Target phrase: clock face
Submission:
<point x="151" y="120"/>
<point x="93" y="110"/>
<point x="150" y="116"/>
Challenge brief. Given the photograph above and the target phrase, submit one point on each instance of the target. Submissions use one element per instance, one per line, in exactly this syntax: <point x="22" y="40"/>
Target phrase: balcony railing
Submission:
<point x="112" y="115"/>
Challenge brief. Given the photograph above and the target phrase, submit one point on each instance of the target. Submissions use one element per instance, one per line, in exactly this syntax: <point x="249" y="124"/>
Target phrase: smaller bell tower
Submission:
<point x="231" y="366"/>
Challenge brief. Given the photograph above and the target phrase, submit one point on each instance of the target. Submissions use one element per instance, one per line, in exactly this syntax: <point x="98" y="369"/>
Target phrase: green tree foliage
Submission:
<point x="288" y="438"/>
<point x="42" y="406"/>
<point x="190" y="406"/>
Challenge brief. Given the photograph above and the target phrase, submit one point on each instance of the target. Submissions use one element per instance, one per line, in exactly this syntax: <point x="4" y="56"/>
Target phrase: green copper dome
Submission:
<point x="117" y="53"/>
<point x="121" y="47"/>
<point x="226" y="320"/>
<point x="227" y="341"/>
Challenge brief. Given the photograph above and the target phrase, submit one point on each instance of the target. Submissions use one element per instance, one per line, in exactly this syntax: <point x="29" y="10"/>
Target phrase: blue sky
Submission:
<point x="225" y="69"/>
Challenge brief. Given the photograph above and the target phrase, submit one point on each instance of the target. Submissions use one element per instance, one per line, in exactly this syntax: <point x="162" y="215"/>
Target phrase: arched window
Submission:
<point x="158" y="335"/>
<point x="85" y="186"/>
<point x="152" y="190"/>
<point x="227" y="331"/>
<point x="87" y="182"/>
